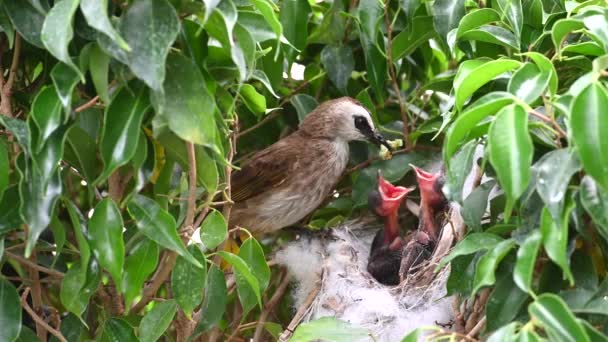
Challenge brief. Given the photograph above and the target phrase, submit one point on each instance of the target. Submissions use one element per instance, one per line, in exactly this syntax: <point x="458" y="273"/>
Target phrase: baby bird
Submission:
<point x="288" y="180"/>
<point x="386" y="250"/>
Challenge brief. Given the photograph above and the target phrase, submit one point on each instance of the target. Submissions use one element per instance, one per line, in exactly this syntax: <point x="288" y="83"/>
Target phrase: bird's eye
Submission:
<point x="361" y="123"/>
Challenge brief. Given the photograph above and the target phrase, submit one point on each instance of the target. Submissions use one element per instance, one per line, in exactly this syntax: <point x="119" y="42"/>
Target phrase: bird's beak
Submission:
<point x="391" y="196"/>
<point x="425" y="179"/>
<point x="377" y="139"/>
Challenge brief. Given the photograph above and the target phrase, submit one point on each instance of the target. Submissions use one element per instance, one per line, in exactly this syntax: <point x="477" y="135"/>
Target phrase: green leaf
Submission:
<point x="339" y="63"/>
<point x="99" y="64"/>
<point x="120" y="132"/>
<point x="214" y="230"/>
<point x="10" y="311"/>
<point x="267" y="11"/>
<point x="595" y="202"/>
<point x="553" y="182"/>
<point x="81" y="153"/>
<point x="369" y="13"/>
<point x="328" y="329"/>
<point x="6" y="26"/>
<point x="28" y="335"/>
<point x="96" y="14"/>
<point x="493" y="35"/>
<point x="407" y="41"/>
<point x="555" y="241"/>
<point x="140" y="264"/>
<point x="105" y="237"/>
<point x="79" y="225"/>
<point x="590" y="131"/>
<point x="4" y="167"/>
<point x="472" y="243"/>
<point x="558" y="321"/>
<point x="475" y="205"/>
<point x="511" y="150"/>
<point x="473" y="74"/>
<point x="458" y="170"/>
<point x="116" y="329"/>
<point x="46" y="114"/>
<point x="247" y="285"/>
<point x="158" y="225"/>
<point x="220" y="26"/>
<point x="78" y="285"/>
<point x="149" y="27"/>
<point x="188" y="282"/>
<point x="484" y="274"/>
<point x="214" y="306"/>
<point x="252" y="253"/>
<point x="303" y="104"/>
<point x="561" y="29"/>
<point x="447" y="15"/>
<point x="475" y="113"/>
<point x="294" y="19"/>
<point x="475" y="19"/>
<point x="506" y="333"/>
<point x="26" y="19"/>
<point x="65" y="80"/>
<point x="505" y="302"/>
<point x="255" y="101"/>
<point x="544" y="64"/>
<point x="57" y="32"/>
<point x="526" y="261"/>
<point x="529" y="82"/>
<point x="155" y="322"/>
<point x="512" y="10"/>
<point x="187" y="107"/>
<point x="9" y="210"/>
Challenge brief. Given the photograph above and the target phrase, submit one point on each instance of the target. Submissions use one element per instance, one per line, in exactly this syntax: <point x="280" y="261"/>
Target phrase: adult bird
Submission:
<point x="285" y="182"/>
<point x="386" y="250"/>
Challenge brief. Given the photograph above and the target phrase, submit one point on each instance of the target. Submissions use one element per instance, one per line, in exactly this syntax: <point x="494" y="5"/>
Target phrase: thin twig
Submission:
<point x="297" y="318"/>
<point x="192" y="186"/>
<point x="477" y="328"/>
<point x="391" y="69"/>
<point x="36" y="296"/>
<point x="33" y="265"/>
<point x="552" y="121"/>
<point x="38" y="319"/>
<point x="6" y="90"/>
<point x="270" y="305"/>
<point x="87" y="105"/>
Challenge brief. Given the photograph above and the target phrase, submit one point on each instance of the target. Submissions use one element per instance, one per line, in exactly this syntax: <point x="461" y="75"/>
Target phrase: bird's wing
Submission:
<point x="268" y="169"/>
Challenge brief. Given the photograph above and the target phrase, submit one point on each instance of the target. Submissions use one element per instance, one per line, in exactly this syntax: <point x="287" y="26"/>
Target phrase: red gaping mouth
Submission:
<point x="391" y="195"/>
<point x="425" y="179"/>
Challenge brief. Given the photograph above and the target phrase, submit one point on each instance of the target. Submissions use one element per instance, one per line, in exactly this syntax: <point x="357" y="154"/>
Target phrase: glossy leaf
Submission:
<point x="486" y="267"/>
<point x="122" y="121"/>
<point x="255" y="101"/>
<point x="149" y="27"/>
<point x="328" y="328"/>
<point x="214" y="230"/>
<point x="473" y="76"/>
<point x="116" y="329"/>
<point x="105" y="238"/>
<point x="81" y="153"/>
<point x="562" y="28"/>
<point x="475" y="19"/>
<point x="544" y="65"/>
<point x="186" y="106"/>
<point x="472" y="243"/>
<point x="4" y="167"/>
<point x="27" y="20"/>
<point x="528" y="82"/>
<point x="304" y="104"/>
<point x="294" y="19"/>
<point x="493" y="35"/>
<point x="96" y="13"/>
<point x="188" y="281"/>
<point x="158" y="225"/>
<point x="460" y="166"/>
<point x="555" y="317"/>
<point x="526" y="261"/>
<point x="139" y="264"/>
<point x="406" y="42"/>
<point x="215" y="302"/>
<point x="512" y="10"/>
<point x="252" y="253"/>
<point x="65" y="80"/>
<point x="339" y="63"/>
<point x="447" y="15"/>
<point x="47" y="114"/>
<point x="555" y="241"/>
<point x="506" y="301"/>
<point x="590" y="131"/>
<point x="553" y="182"/>
<point x="595" y="202"/>
<point x="511" y="150"/>
<point x="10" y="219"/>
<point x="78" y="285"/>
<point x="474" y="206"/>
<point x="247" y="285"/>
<point x="99" y="64"/>
<point x="155" y="322"/>
<point x="505" y="333"/>
<point x="57" y="31"/>
<point x="10" y="311"/>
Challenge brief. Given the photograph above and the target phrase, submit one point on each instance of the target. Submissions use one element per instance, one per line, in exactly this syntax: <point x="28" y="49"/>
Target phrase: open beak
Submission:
<point x="425" y="179"/>
<point x="377" y="139"/>
<point x="391" y="196"/>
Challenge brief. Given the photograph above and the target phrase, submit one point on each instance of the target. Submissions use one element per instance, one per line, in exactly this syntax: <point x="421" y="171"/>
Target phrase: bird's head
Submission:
<point x="386" y="198"/>
<point x="344" y="118"/>
<point x="430" y="186"/>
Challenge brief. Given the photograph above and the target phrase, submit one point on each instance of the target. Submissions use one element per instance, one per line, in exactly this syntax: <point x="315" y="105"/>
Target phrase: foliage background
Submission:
<point x="123" y="120"/>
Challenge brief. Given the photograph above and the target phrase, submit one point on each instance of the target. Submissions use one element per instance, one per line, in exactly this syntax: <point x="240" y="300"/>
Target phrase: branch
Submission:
<point x="269" y="307"/>
<point x="87" y="105"/>
<point x="162" y="273"/>
<point x="38" y="319"/>
<point x="552" y="121"/>
<point x="391" y="69"/>
<point x="7" y="88"/>
<point x="297" y="318"/>
<point x="33" y="265"/>
<point x="191" y="186"/>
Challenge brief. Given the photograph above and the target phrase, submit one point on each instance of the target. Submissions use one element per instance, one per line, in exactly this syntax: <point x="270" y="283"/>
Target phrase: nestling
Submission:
<point x="288" y="180"/>
<point x="385" y="253"/>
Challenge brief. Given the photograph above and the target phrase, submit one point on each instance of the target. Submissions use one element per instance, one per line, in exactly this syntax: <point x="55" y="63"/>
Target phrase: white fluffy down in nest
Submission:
<point x="348" y="292"/>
